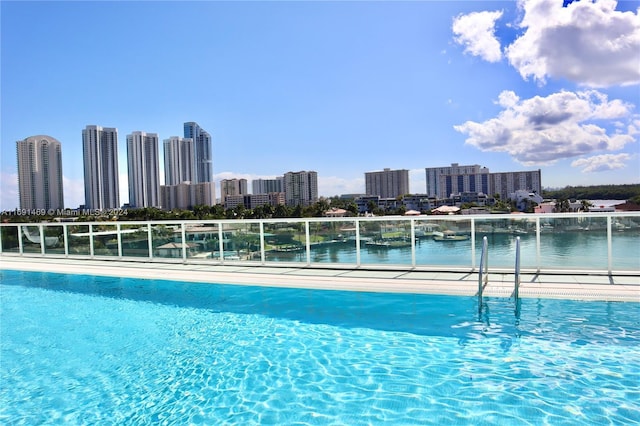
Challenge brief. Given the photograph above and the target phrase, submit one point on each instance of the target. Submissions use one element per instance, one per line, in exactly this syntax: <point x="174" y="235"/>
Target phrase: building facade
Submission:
<point x="40" y="173"/>
<point x="446" y="182"/>
<point x="230" y="187"/>
<point x="266" y="186"/>
<point x="442" y="182"/>
<point x="186" y="195"/>
<point x="387" y="183"/>
<point x="506" y="183"/>
<point x="143" y="170"/>
<point x="203" y="161"/>
<point x="100" y="155"/>
<point x="251" y="201"/>
<point x="179" y="160"/>
<point x="300" y="188"/>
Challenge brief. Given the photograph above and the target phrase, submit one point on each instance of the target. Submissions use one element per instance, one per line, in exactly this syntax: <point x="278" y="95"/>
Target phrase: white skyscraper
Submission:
<point x="40" y="173"/>
<point x="300" y="188"/>
<point x="100" y="149"/>
<point x="179" y="161"/>
<point x="143" y="169"/>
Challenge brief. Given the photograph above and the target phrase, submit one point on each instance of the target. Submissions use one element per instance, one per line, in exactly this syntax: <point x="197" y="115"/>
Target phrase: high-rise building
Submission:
<point x="179" y="160"/>
<point x="387" y="183"/>
<point x="142" y="167"/>
<point x="266" y="186"/>
<point x="202" y="152"/>
<point x="40" y="173"/>
<point x="232" y="187"/>
<point x="300" y="188"/>
<point x="100" y="149"/>
<point x="187" y="195"/>
<point x="507" y="183"/>
<point x="443" y="182"/>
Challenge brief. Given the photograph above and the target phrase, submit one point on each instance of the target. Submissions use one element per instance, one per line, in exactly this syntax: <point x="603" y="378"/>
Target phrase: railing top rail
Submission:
<point x="359" y="219"/>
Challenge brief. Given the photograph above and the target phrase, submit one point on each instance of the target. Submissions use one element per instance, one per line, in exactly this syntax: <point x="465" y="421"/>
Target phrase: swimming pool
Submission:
<point x="82" y="349"/>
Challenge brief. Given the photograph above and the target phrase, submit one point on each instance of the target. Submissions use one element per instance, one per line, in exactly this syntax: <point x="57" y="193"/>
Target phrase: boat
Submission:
<point x="449" y="236"/>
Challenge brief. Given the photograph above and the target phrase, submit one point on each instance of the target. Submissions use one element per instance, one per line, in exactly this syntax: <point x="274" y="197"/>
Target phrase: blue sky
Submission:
<point x="341" y="88"/>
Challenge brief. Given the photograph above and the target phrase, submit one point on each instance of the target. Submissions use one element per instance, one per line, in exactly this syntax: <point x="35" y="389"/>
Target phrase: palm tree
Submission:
<point x="585" y="205"/>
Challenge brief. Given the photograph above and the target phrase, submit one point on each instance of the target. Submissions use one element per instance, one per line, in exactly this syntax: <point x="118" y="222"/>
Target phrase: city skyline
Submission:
<point x="342" y="88"/>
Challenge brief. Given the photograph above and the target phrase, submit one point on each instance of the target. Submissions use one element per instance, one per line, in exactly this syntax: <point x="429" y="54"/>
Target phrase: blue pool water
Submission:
<point x="94" y="350"/>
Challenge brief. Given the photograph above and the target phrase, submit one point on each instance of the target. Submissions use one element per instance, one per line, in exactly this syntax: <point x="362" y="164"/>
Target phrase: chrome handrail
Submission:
<point x="516" y="286"/>
<point x="483" y="272"/>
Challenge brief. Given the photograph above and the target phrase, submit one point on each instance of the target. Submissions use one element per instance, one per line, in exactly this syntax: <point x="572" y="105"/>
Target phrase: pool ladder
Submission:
<point x="483" y="275"/>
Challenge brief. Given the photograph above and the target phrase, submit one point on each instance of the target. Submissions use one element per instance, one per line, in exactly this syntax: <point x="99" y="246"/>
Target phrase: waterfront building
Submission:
<point x="202" y="152"/>
<point x="40" y="173"/>
<point x="300" y="188"/>
<point x="506" y="183"/>
<point x="187" y="195"/>
<point x="179" y="160"/>
<point x="143" y="170"/>
<point x="442" y="182"/>
<point x="266" y="186"/>
<point x="100" y="152"/>
<point x="230" y="187"/>
<point x="445" y="182"/>
<point x="387" y="183"/>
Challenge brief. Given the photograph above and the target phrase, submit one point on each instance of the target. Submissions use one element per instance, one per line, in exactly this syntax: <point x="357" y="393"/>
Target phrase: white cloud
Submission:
<point x="476" y="32"/>
<point x="602" y="163"/>
<point x="541" y="130"/>
<point x="586" y="42"/>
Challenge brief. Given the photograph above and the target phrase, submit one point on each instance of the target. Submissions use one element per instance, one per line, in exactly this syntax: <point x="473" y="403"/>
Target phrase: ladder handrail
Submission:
<point x="517" y="271"/>
<point x="516" y="284"/>
<point x="483" y="273"/>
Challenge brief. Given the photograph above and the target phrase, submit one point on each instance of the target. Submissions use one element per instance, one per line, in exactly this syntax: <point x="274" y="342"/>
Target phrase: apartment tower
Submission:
<point x="230" y="187"/>
<point x="267" y="186"/>
<point x="40" y="173"/>
<point x="387" y="183"/>
<point x="143" y="169"/>
<point x="179" y="161"/>
<point x="202" y="152"/>
<point x="300" y="188"/>
<point x="100" y="150"/>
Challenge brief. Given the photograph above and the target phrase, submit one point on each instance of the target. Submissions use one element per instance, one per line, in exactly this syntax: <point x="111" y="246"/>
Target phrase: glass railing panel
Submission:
<point x="501" y="232"/>
<point x="285" y="242"/>
<point x="78" y="237"/>
<point x="241" y="241"/>
<point x="9" y="235"/>
<point x="578" y="242"/>
<point x="135" y="240"/>
<point x="166" y="240"/>
<point x="385" y="242"/>
<point x="333" y="241"/>
<point x="53" y="239"/>
<point x="625" y="243"/>
<point x="105" y="240"/>
<point x="31" y="239"/>
<point x="441" y="242"/>
<point x="202" y="240"/>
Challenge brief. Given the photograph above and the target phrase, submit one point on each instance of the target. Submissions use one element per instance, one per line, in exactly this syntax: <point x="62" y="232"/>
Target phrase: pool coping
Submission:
<point x="559" y="286"/>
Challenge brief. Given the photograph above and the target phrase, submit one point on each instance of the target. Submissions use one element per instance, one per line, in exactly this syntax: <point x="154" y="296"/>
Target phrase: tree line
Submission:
<point x="629" y="192"/>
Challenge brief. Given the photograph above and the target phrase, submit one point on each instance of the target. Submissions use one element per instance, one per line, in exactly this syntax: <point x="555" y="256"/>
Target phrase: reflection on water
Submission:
<point x="559" y="250"/>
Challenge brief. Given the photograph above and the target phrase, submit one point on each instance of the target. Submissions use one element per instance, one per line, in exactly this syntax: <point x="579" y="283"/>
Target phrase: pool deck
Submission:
<point x="561" y="286"/>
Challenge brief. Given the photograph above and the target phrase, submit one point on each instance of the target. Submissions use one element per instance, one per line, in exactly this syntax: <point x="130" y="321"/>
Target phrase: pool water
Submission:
<point x="80" y="349"/>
